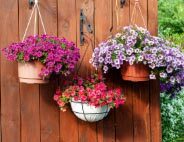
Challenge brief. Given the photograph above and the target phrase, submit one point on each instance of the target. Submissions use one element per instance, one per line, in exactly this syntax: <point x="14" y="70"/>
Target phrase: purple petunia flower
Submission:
<point x="135" y="45"/>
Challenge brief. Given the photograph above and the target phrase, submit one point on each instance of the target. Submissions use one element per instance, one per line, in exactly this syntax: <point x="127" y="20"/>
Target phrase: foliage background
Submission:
<point x="171" y="20"/>
<point x="171" y="27"/>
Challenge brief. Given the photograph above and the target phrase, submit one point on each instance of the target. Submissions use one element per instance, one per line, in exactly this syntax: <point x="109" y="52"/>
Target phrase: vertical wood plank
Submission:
<point x="67" y="28"/>
<point x="10" y="99"/>
<point x="30" y="120"/>
<point x="87" y="131"/>
<point x="141" y="114"/>
<point x="144" y="8"/>
<point x="103" y="29"/>
<point x="141" y="120"/>
<point x="153" y="16"/>
<point x="49" y="113"/>
<point x="87" y="48"/>
<point x="121" y="15"/>
<point x="30" y="106"/>
<point x="124" y="116"/>
<point x="155" y="117"/>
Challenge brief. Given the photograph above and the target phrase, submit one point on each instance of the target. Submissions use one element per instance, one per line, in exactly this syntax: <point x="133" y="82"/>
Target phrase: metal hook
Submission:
<point x="31" y="3"/>
<point x="83" y="21"/>
<point x="122" y="3"/>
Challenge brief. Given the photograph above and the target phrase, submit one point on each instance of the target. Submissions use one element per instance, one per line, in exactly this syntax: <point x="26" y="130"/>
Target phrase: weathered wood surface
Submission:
<point x="28" y="112"/>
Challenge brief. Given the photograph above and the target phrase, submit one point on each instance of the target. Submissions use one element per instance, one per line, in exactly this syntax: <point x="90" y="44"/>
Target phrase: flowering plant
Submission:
<point x="57" y="54"/>
<point x="135" y="45"/>
<point x="92" y="90"/>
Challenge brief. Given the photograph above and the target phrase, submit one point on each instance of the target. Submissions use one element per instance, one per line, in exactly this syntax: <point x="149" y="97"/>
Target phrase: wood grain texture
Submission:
<point x="124" y="114"/>
<point x="87" y="131"/>
<point x="153" y="17"/>
<point x="140" y="93"/>
<point x="10" y="99"/>
<point x="30" y="100"/>
<point x="121" y="15"/>
<point x="30" y="117"/>
<point x="141" y="114"/>
<point x="87" y="48"/>
<point x="103" y="29"/>
<point x="67" y="28"/>
<point x="138" y="19"/>
<point x="31" y="114"/>
<point x="49" y="112"/>
<point x="155" y="116"/>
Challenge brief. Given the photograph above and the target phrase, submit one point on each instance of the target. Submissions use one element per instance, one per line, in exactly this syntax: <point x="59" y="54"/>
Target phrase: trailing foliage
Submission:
<point x="172" y="111"/>
<point x="171" y="27"/>
<point x="135" y="45"/>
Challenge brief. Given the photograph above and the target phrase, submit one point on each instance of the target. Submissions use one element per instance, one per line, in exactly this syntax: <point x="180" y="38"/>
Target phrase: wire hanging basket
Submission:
<point x="89" y="113"/>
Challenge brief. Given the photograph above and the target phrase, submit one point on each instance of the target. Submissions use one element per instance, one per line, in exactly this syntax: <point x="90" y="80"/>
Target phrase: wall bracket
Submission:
<point x="83" y="21"/>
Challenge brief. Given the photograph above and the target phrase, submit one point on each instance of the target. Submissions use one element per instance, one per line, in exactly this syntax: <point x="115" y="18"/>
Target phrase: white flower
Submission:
<point x="169" y="69"/>
<point x="123" y="37"/>
<point x="163" y="75"/>
<point x="151" y="43"/>
<point x="131" y="62"/>
<point x="144" y="62"/>
<point x="168" y="58"/>
<point x="105" y="68"/>
<point x="140" y="58"/>
<point x="152" y="76"/>
<point x="137" y="50"/>
<point x="101" y="59"/>
<point x="129" y="51"/>
<point x="152" y="66"/>
<point x="160" y="57"/>
<point x="117" y="35"/>
<point x="116" y="61"/>
<point x="172" y="79"/>
<point x="114" y="42"/>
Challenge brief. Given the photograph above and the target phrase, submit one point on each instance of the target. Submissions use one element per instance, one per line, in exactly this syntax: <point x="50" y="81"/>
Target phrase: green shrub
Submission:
<point x="171" y="20"/>
<point x="172" y="112"/>
<point x="171" y="27"/>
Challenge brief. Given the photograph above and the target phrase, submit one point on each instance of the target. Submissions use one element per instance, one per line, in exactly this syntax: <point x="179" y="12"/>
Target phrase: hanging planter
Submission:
<point x="137" y="54"/>
<point x="125" y="51"/>
<point x="135" y="72"/>
<point x="141" y="57"/>
<point x="90" y="98"/>
<point x="29" y="73"/>
<point x="89" y="113"/>
<point x="41" y="56"/>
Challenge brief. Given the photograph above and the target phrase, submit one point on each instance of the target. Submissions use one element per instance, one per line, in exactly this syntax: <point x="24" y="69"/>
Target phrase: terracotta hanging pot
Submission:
<point x="29" y="73"/>
<point x="135" y="72"/>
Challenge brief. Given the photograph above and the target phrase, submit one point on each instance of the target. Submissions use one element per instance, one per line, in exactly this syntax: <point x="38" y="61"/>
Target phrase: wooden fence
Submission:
<point x="28" y="112"/>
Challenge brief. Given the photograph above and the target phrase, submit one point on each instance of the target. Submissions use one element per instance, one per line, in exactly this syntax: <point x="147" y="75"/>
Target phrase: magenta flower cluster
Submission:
<point x="92" y="90"/>
<point x="58" y="55"/>
<point x="135" y="45"/>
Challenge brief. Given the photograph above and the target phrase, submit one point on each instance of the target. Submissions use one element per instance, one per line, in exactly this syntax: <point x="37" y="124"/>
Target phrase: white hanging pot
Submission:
<point x="89" y="113"/>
